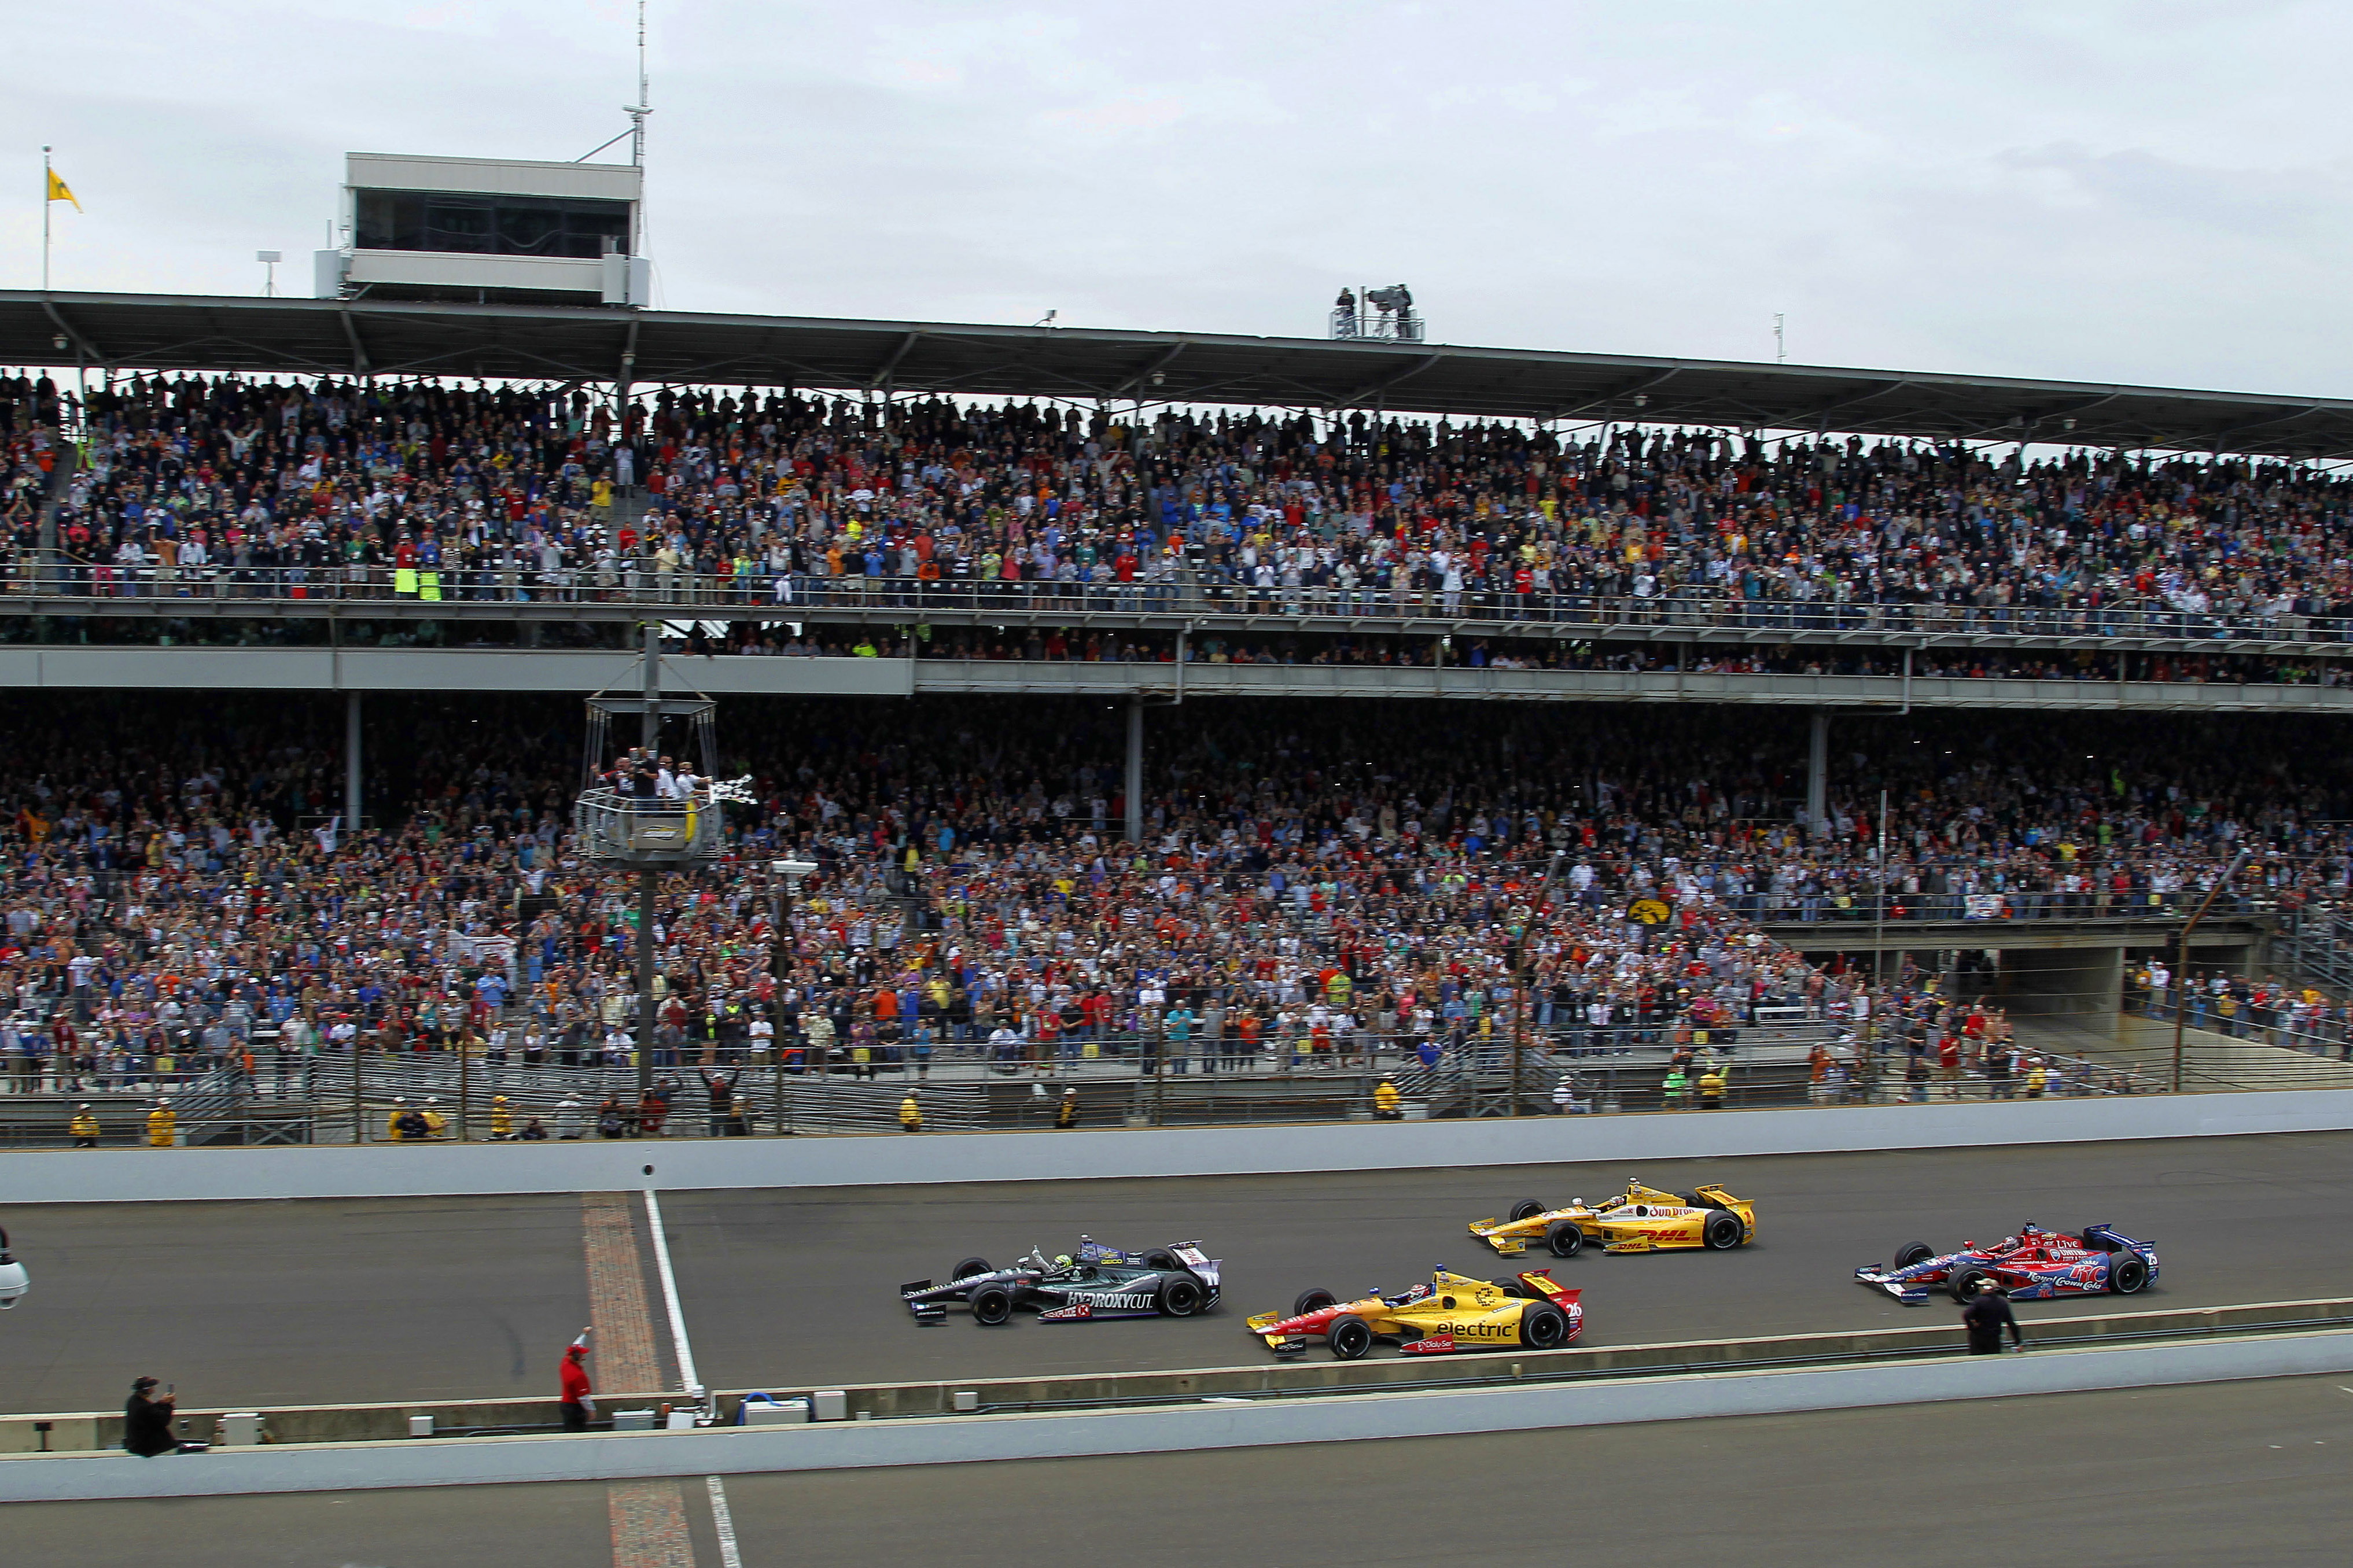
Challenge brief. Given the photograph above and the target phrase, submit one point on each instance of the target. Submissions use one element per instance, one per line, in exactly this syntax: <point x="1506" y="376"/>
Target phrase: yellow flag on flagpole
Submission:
<point x="61" y="192"/>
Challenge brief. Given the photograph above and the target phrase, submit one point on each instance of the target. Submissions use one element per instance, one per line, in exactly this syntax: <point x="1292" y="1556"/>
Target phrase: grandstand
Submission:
<point x="1033" y="641"/>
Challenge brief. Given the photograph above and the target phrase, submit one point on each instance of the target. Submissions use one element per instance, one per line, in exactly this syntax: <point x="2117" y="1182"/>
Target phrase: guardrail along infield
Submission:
<point x="1312" y="1377"/>
<point x="1173" y="1428"/>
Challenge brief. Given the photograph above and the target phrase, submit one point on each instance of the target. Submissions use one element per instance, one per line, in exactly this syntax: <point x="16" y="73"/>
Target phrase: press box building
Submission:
<point x="485" y="231"/>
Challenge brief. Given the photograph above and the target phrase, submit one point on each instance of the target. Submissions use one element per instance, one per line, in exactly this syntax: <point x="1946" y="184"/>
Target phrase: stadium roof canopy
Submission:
<point x="325" y="337"/>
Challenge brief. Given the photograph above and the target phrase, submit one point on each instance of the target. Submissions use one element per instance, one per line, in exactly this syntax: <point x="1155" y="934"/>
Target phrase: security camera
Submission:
<point x="13" y="1280"/>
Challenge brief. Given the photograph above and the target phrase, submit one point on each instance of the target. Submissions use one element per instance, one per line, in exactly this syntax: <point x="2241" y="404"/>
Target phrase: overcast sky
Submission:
<point x="2154" y="191"/>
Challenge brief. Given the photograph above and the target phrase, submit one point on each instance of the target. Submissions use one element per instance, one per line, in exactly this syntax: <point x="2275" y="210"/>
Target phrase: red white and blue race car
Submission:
<point x="2032" y="1266"/>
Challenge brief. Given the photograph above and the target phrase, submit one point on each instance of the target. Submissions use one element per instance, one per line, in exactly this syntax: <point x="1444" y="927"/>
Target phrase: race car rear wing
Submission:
<point x="1546" y="1286"/>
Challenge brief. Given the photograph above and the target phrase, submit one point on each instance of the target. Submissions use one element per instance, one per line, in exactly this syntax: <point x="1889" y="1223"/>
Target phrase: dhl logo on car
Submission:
<point x="1639" y="1219"/>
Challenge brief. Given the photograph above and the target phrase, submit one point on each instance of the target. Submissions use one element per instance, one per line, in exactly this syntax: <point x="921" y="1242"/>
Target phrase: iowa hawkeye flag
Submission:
<point x="61" y="192"/>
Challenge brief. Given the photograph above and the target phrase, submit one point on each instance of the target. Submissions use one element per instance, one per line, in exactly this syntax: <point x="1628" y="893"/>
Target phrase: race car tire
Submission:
<point x="1913" y="1252"/>
<point x="1721" y="1232"/>
<point x="1313" y="1300"/>
<point x="2128" y="1275"/>
<point x="992" y="1304"/>
<point x="1349" y="1336"/>
<point x="1180" y="1295"/>
<point x="1161" y="1257"/>
<point x="1964" y="1283"/>
<point x="1564" y="1239"/>
<point x="970" y="1266"/>
<point x="1544" y="1327"/>
<point x="1526" y="1208"/>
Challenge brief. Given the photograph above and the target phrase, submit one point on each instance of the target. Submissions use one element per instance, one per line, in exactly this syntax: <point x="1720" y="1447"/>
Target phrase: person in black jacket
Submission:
<point x="721" y="1088"/>
<point x="147" y="1421"/>
<point x="1986" y="1316"/>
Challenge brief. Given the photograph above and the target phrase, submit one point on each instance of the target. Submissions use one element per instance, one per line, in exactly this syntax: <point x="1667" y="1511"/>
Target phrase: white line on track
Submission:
<point x="686" y="1374"/>
<point x="723" y="1523"/>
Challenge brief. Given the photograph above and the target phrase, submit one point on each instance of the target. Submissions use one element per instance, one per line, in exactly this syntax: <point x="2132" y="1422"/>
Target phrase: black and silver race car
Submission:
<point x="1096" y="1281"/>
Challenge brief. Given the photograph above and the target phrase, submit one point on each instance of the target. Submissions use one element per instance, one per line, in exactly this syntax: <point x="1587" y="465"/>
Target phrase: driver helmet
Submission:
<point x="1062" y="1260"/>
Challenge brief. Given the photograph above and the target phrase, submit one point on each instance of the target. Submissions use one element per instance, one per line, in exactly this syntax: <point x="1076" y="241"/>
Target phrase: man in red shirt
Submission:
<point x="576" y="1390"/>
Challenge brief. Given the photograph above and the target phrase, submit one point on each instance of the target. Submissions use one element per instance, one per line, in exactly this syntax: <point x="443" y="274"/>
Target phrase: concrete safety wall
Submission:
<point x="125" y="1175"/>
<point x="941" y="1440"/>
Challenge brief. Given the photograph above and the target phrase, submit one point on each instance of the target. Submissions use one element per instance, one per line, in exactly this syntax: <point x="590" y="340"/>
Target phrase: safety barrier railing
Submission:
<point x="2224" y="1013"/>
<point x="2318" y="944"/>
<point x="1190" y="591"/>
<point x="1129" y="1081"/>
<point x="2120" y="911"/>
<point x="610" y="827"/>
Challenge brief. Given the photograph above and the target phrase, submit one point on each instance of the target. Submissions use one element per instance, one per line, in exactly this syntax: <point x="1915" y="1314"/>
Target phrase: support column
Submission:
<point x="352" y="799"/>
<point x="1134" y="825"/>
<point x="1817" y="768"/>
<point x="649" y="882"/>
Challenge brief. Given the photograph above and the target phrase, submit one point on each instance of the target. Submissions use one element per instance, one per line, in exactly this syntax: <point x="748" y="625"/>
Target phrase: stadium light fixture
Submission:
<point x="270" y="261"/>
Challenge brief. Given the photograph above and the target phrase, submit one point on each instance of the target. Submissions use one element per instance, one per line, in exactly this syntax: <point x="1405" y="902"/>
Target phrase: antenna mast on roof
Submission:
<point x="644" y="106"/>
<point x="636" y="111"/>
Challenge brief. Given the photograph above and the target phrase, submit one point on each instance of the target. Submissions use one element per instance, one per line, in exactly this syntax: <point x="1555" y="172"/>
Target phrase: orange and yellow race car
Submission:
<point x="1453" y="1312"/>
<point x="1639" y="1219"/>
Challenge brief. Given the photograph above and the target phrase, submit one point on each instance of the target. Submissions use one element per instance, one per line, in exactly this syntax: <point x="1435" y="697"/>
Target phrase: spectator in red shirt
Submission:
<point x="576" y="1393"/>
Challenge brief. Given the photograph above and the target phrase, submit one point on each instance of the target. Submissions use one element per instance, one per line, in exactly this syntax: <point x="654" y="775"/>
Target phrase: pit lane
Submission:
<point x="314" y="1303"/>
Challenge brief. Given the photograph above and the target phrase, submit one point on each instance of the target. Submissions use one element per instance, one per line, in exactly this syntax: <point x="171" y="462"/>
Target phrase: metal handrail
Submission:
<point x="635" y="830"/>
<point x="1187" y="593"/>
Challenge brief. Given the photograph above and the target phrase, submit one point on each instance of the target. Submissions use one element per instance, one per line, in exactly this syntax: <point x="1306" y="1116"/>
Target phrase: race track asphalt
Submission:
<point x="2226" y="1473"/>
<point x="782" y="1288"/>
<point x="388" y="1299"/>
<point x="292" y="1303"/>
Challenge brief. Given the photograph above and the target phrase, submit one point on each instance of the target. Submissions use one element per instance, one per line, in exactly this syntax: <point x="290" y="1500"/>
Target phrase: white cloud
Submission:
<point x="2110" y="189"/>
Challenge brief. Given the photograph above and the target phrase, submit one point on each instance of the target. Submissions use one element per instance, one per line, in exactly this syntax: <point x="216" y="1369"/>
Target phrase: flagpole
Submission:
<point x="45" y="177"/>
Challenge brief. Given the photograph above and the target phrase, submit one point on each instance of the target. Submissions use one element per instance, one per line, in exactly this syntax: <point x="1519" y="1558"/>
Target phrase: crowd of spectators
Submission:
<point x="1311" y="881"/>
<point x="777" y="495"/>
<point x="1310" y="878"/>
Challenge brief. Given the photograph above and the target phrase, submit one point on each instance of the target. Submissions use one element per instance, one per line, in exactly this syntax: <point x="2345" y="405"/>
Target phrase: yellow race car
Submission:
<point x="1639" y="1219"/>
<point x="1453" y="1312"/>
